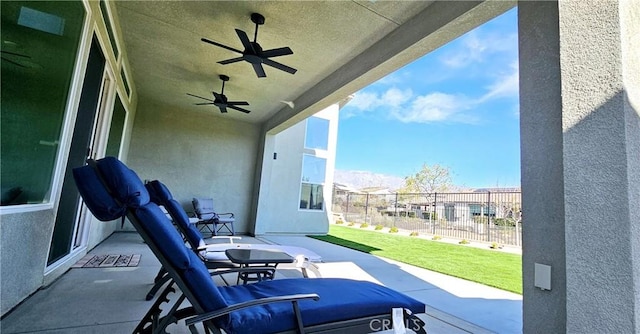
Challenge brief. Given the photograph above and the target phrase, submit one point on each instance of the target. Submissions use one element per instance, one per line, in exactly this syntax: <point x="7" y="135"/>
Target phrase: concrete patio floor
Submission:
<point x="112" y="300"/>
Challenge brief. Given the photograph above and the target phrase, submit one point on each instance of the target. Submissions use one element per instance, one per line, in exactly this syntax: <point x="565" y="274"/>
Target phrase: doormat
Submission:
<point x="108" y="260"/>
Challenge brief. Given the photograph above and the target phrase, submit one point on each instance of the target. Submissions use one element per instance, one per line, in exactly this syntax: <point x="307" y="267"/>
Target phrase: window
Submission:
<point x="107" y="22"/>
<point x="313" y="176"/>
<point x="116" y="129"/>
<point x="317" y="136"/>
<point x="39" y="47"/>
<point x="125" y="82"/>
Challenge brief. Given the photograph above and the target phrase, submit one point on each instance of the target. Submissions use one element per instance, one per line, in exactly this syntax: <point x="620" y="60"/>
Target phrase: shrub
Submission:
<point x="414" y="234"/>
<point x="339" y="221"/>
<point x="434" y="215"/>
<point x="379" y="227"/>
<point x="504" y="222"/>
<point x="364" y="225"/>
<point x="480" y="219"/>
<point x="350" y="224"/>
<point x="393" y="230"/>
<point x="436" y="237"/>
<point x="464" y="242"/>
<point x="495" y="245"/>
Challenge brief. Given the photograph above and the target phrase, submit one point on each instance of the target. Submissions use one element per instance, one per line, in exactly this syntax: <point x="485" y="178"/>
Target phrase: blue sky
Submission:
<point x="457" y="107"/>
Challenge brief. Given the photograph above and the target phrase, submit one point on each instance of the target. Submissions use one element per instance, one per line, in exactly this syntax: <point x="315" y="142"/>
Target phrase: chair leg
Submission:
<point x="205" y="225"/>
<point x="224" y="225"/>
<point x="156" y="286"/>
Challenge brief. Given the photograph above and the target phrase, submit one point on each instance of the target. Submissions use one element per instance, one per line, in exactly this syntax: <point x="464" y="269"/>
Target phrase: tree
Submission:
<point x="429" y="179"/>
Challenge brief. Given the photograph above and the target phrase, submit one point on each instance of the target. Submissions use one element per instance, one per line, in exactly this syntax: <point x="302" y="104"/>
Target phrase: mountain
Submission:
<point x="363" y="179"/>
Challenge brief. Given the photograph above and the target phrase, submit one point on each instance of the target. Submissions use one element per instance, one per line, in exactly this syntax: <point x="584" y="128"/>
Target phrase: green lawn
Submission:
<point x="493" y="268"/>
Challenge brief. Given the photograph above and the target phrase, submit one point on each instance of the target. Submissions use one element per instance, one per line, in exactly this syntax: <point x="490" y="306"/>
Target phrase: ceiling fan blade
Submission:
<point x="276" y="52"/>
<point x="240" y="109"/>
<point x="238" y="103"/>
<point x="223" y="108"/>
<point x="245" y="40"/>
<point x="279" y="66"/>
<point x="220" y="45"/>
<point x="203" y="104"/>
<point x="200" y="97"/>
<point x="229" y="61"/>
<point x="259" y="70"/>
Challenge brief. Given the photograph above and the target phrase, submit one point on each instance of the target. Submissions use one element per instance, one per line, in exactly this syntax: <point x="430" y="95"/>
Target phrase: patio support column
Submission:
<point x="580" y="148"/>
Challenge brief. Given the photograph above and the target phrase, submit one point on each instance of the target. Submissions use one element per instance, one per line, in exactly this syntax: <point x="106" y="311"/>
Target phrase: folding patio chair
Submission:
<point x="323" y="305"/>
<point x="208" y="216"/>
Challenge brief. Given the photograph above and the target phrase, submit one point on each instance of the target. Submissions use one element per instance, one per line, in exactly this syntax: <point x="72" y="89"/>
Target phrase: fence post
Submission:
<point x="488" y="215"/>
<point x="366" y="208"/>
<point x="432" y="214"/>
<point x="395" y="210"/>
<point x="346" y="214"/>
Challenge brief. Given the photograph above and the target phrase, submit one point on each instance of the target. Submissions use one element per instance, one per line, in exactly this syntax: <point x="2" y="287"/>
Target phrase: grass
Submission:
<point x="497" y="269"/>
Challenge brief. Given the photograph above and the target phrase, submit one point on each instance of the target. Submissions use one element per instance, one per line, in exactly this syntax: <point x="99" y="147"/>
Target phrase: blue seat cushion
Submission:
<point x="160" y="229"/>
<point x="161" y="195"/>
<point x="95" y="196"/>
<point x="199" y="281"/>
<point x="340" y="299"/>
<point x="124" y="183"/>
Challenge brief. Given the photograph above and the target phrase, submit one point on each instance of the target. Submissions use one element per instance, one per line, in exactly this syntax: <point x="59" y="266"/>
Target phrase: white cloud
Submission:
<point x="403" y="106"/>
<point x="364" y="100"/>
<point x="477" y="45"/>
<point x="470" y="51"/>
<point x="395" y="97"/>
<point x="506" y="85"/>
<point x="392" y="97"/>
<point x="435" y="107"/>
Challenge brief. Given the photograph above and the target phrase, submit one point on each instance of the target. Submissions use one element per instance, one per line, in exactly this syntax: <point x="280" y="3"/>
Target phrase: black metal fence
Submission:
<point x="481" y="216"/>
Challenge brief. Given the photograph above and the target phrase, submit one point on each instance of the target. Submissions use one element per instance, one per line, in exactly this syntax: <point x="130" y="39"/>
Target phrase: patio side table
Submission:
<point x="252" y="257"/>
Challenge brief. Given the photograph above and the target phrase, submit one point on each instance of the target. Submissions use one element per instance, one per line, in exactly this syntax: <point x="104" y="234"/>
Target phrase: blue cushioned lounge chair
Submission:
<point x="299" y="305"/>
<point x="213" y="254"/>
<point x="214" y="260"/>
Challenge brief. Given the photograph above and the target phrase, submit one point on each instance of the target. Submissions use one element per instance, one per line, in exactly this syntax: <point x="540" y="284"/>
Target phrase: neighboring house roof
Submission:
<point x="376" y="190"/>
<point x="346" y="188"/>
<point x="496" y="189"/>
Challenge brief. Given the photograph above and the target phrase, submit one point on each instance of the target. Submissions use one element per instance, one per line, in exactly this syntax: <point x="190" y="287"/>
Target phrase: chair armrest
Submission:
<point x="230" y="237"/>
<point x="255" y="302"/>
<point x="222" y="247"/>
<point x="230" y="214"/>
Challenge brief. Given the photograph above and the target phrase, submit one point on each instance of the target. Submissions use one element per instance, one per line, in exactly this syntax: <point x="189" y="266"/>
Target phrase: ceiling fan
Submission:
<point x="220" y="100"/>
<point x="253" y="52"/>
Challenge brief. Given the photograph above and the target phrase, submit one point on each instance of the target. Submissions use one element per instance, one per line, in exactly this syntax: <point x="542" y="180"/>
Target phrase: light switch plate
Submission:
<point x="542" y="276"/>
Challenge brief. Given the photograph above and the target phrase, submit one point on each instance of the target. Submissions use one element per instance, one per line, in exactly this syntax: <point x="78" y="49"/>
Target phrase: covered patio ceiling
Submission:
<point x="338" y="48"/>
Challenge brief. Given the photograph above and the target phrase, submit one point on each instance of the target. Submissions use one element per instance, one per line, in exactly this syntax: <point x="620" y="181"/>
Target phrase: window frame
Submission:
<point x="303" y="182"/>
<point x="68" y="122"/>
<point x="325" y="140"/>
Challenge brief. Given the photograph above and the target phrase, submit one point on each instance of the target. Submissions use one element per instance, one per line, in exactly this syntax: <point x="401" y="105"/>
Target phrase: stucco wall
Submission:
<point x="580" y="135"/>
<point x="196" y="155"/>
<point x="24" y="244"/>
<point x="278" y="205"/>
<point x="25" y="237"/>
